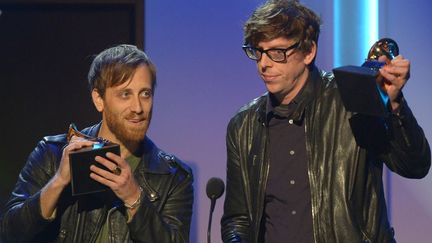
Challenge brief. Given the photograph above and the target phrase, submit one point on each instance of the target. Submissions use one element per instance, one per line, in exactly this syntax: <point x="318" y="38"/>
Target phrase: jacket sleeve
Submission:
<point x="22" y="219"/>
<point x="235" y="222"/>
<point x="409" y="153"/>
<point x="171" y="221"/>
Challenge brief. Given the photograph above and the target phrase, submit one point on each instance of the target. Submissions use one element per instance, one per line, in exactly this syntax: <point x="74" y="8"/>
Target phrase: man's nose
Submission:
<point x="265" y="61"/>
<point x="136" y="105"/>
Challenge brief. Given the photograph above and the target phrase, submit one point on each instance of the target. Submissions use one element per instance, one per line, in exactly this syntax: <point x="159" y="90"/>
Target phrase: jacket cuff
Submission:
<point x="137" y="221"/>
<point x="403" y="123"/>
<point x="34" y="204"/>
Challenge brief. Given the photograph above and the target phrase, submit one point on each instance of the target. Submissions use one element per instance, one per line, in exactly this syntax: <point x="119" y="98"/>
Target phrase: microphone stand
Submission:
<point x="212" y="206"/>
<point x="214" y="189"/>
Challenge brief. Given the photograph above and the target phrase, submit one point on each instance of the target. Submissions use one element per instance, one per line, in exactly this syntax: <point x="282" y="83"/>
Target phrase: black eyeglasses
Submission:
<point x="275" y="54"/>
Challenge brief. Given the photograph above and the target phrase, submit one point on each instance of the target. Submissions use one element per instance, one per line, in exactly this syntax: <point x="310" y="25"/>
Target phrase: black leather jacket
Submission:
<point x="345" y="154"/>
<point x="163" y="217"/>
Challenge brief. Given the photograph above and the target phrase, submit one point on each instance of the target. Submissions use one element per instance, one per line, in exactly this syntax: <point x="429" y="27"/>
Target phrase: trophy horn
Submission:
<point x="384" y="47"/>
<point x="73" y="131"/>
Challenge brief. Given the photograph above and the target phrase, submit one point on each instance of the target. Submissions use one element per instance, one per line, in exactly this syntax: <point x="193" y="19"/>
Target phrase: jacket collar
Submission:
<point x="152" y="161"/>
<point x="303" y="99"/>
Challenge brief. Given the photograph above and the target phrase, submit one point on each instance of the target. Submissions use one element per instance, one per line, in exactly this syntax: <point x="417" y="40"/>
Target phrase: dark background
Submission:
<point x="46" y="48"/>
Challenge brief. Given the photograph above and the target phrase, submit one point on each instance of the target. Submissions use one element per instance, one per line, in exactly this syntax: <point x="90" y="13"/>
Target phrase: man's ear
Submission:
<point x="311" y="55"/>
<point x="97" y="100"/>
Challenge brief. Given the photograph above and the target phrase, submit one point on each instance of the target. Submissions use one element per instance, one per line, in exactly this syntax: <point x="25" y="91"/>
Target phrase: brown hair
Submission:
<point x="283" y="18"/>
<point x="116" y="65"/>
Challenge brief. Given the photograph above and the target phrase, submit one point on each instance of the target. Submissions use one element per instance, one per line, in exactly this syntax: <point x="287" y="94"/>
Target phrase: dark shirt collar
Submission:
<point x="275" y="109"/>
<point x="296" y="108"/>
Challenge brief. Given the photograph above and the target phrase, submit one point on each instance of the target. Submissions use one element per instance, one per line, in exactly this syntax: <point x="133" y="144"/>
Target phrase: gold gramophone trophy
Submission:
<point x="358" y="86"/>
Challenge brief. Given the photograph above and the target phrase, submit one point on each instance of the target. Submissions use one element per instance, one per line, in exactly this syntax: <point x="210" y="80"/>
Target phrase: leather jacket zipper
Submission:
<point x="77" y="229"/>
<point x="109" y="225"/>
<point x="100" y="224"/>
<point x="151" y="194"/>
<point x="266" y="167"/>
<point x="311" y="179"/>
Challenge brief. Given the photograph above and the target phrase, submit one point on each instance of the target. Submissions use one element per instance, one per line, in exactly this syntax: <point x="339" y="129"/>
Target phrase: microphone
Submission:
<point x="215" y="188"/>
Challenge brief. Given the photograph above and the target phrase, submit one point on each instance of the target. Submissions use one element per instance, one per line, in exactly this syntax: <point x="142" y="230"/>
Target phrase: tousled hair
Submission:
<point x="283" y="18"/>
<point x="116" y="65"/>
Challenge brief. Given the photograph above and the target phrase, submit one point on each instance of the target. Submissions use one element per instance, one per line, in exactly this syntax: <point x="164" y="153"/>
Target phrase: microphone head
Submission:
<point x="215" y="188"/>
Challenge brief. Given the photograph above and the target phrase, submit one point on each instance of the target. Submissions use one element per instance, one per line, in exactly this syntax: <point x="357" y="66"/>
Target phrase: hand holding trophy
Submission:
<point x="80" y="161"/>
<point x="361" y="87"/>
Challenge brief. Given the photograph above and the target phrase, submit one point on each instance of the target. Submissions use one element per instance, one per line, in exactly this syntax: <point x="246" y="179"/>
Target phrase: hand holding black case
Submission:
<point x="80" y="162"/>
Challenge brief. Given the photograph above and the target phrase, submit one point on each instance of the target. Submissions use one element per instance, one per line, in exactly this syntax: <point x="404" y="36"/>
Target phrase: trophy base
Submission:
<point x="80" y="162"/>
<point x="360" y="91"/>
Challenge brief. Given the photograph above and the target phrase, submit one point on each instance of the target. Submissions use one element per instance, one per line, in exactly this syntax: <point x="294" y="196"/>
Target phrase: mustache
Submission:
<point x="142" y="115"/>
<point x="135" y="116"/>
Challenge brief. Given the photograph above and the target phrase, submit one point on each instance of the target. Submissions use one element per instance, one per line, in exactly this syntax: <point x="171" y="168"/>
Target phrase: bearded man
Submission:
<point x="151" y="194"/>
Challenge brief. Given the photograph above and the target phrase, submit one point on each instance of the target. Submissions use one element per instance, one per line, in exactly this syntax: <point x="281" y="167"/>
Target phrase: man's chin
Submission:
<point x="131" y="135"/>
<point x="272" y="88"/>
<point x="137" y="135"/>
<point x="274" y="91"/>
<point x="131" y="139"/>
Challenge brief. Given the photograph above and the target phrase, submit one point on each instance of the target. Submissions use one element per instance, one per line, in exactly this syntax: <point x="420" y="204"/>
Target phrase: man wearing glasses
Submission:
<point x="295" y="172"/>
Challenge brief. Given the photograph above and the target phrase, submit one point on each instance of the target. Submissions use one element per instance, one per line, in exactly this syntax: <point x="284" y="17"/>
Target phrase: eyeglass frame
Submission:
<point x="247" y="47"/>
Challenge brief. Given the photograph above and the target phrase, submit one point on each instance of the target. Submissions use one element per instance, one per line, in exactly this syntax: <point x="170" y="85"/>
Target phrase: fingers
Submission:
<point x="75" y="139"/>
<point x="395" y="75"/>
<point x="104" y="176"/>
<point x="398" y="68"/>
<point x="116" y="173"/>
<point x="122" y="184"/>
<point x="117" y="159"/>
<point x="72" y="146"/>
<point x="114" y="163"/>
<point x="63" y="172"/>
<point x="111" y="166"/>
<point x="76" y="143"/>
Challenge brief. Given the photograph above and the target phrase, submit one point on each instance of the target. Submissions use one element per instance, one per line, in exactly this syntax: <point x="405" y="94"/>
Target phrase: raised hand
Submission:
<point x="119" y="177"/>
